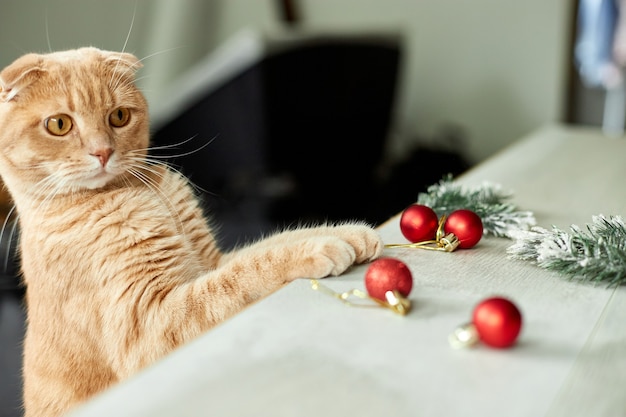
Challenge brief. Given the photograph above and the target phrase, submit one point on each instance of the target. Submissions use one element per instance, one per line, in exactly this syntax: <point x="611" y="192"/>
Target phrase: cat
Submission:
<point x="120" y="264"/>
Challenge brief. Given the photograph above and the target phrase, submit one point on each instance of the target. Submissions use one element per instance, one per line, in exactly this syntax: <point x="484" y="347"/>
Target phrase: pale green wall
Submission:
<point x="26" y="25"/>
<point x="496" y="68"/>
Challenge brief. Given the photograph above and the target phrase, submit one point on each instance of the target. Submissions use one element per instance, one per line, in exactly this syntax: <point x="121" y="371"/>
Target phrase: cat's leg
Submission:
<point x="351" y="232"/>
<point x="303" y="252"/>
<point x="172" y="315"/>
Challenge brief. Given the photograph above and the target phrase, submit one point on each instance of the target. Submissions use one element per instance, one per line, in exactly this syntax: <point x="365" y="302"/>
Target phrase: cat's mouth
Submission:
<point x="98" y="181"/>
<point x="98" y="178"/>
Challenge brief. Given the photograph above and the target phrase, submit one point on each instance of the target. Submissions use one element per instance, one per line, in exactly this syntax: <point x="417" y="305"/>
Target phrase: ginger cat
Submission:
<point x="119" y="263"/>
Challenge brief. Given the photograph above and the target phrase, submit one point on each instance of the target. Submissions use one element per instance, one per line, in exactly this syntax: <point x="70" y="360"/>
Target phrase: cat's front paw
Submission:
<point x="366" y="241"/>
<point x="324" y="256"/>
<point x="348" y="244"/>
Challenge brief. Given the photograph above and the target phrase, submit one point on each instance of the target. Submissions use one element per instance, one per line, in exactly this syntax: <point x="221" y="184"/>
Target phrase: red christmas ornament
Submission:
<point x="466" y="226"/>
<point x="498" y="322"/>
<point x="418" y="223"/>
<point x="388" y="274"/>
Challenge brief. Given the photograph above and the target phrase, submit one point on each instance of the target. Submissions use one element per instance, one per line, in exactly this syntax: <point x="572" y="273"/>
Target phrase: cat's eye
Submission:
<point x="59" y="124"/>
<point x="119" y="117"/>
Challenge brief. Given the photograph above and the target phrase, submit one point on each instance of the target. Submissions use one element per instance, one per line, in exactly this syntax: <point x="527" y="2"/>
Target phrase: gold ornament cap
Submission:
<point x="464" y="336"/>
<point x="449" y="242"/>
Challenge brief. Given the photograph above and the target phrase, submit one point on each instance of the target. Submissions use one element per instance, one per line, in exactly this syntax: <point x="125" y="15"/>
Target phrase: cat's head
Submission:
<point x="70" y="120"/>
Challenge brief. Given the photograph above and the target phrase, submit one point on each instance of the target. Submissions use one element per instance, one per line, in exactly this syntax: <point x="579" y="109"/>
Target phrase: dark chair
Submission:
<point x="296" y="136"/>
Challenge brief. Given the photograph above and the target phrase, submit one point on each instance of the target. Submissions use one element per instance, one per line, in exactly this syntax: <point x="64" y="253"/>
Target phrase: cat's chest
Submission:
<point x="109" y="259"/>
<point x="127" y="227"/>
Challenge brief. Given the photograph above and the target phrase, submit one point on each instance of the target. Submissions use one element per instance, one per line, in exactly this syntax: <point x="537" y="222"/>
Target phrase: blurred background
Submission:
<point x="497" y="69"/>
<point x="443" y="84"/>
<point x="317" y="110"/>
<point x="405" y="91"/>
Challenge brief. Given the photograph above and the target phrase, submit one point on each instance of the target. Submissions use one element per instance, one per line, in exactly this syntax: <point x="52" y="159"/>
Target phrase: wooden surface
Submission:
<point x="302" y="353"/>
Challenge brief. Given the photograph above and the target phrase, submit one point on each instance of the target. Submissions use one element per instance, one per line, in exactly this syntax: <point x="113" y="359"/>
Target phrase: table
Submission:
<point x="299" y="352"/>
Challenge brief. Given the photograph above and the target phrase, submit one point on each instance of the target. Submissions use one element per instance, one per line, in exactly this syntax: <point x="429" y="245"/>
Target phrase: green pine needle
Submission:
<point x="488" y="201"/>
<point x="597" y="255"/>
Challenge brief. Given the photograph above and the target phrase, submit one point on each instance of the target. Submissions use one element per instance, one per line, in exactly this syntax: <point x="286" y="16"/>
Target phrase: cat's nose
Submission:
<point x="103" y="155"/>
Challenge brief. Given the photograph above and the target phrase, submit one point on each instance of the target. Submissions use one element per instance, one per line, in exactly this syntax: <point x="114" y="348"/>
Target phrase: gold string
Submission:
<point x="421" y="245"/>
<point x="440" y="232"/>
<point x="396" y="302"/>
<point x="442" y="243"/>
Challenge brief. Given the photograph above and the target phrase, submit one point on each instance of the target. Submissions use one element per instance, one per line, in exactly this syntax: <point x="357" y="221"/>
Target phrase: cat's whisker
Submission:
<point x="169" y="146"/>
<point x="207" y="143"/>
<point x="164" y="51"/>
<point x="163" y="197"/>
<point x="48" y="31"/>
<point x="139" y="159"/>
<point x="141" y="78"/>
<point x="122" y="84"/>
<point x="42" y="164"/>
<point x="126" y="181"/>
<point x="12" y="233"/>
<point x="50" y="192"/>
<point x="49" y="187"/>
<point x="130" y="29"/>
<point x="148" y="168"/>
<point x="148" y="161"/>
<point x="143" y="170"/>
<point x="9" y="245"/>
<point x="117" y="81"/>
<point x="137" y="172"/>
<point x="147" y="164"/>
<point x="46" y="183"/>
<point x="139" y="156"/>
<point x="115" y="84"/>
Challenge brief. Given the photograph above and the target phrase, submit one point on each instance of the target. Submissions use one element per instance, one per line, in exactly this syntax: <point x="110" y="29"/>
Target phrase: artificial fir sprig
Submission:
<point x="597" y="255"/>
<point x="487" y="200"/>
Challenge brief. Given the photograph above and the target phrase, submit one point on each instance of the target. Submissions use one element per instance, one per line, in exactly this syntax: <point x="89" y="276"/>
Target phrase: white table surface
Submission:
<point x="302" y="353"/>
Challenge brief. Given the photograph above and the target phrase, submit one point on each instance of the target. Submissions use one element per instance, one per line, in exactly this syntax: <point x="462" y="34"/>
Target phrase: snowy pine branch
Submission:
<point x="595" y="255"/>
<point x="488" y="201"/>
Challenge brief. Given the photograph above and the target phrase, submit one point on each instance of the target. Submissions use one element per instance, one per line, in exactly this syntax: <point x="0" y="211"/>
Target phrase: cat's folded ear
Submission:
<point x="19" y="74"/>
<point x="123" y="61"/>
